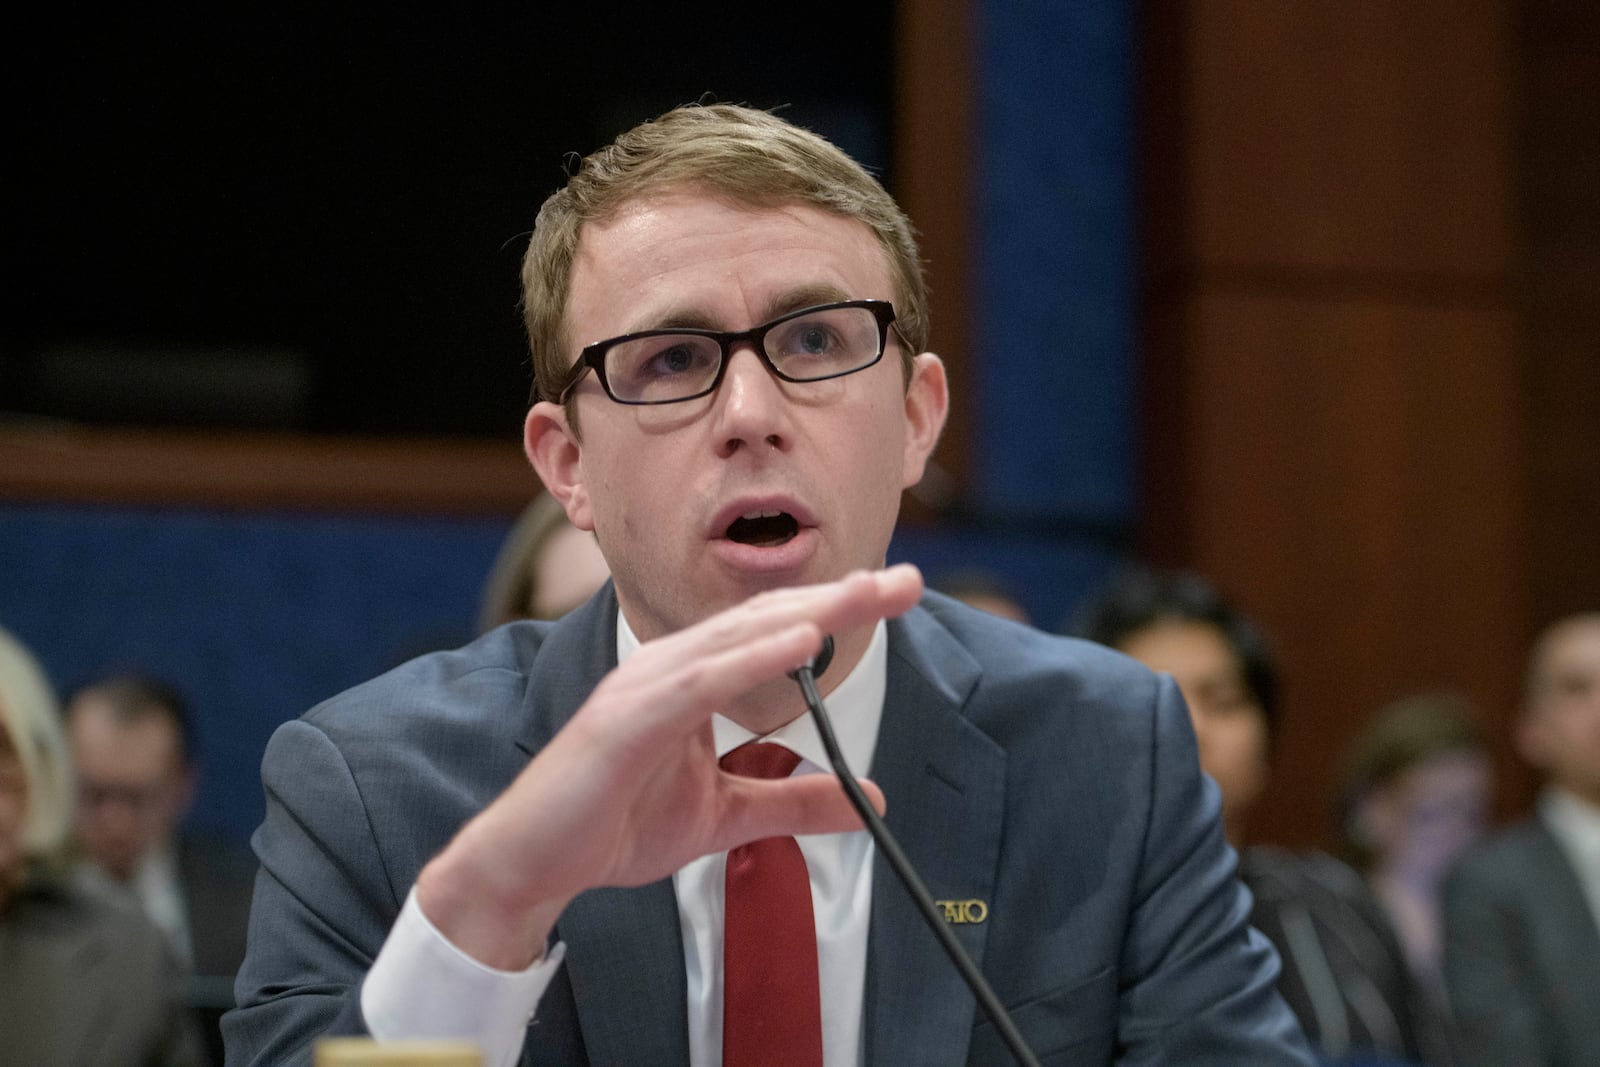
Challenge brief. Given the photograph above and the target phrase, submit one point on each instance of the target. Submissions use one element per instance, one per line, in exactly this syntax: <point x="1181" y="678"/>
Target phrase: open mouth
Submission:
<point x="763" y="529"/>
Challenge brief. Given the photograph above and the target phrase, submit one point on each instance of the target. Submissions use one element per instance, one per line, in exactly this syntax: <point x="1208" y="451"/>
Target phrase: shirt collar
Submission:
<point x="855" y="709"/>
<point x="1575" y="823"/>
<point x="157" y="870"/>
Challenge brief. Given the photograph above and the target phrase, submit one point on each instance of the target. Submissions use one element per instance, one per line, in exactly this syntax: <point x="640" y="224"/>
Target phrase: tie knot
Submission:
<point x="759" y="759"/>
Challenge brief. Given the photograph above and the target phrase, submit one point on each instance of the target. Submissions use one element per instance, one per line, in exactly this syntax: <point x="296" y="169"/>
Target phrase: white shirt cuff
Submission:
<point x="423" y="987"/>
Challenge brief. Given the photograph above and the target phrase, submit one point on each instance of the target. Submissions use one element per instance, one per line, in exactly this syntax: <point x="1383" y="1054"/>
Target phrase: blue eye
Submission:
<point x="807" y="339"/>
<point x="668" y="356"/>
<point x="661" y="366"/>
<point x="679" y="359"/>
<point x="815" y="340"/>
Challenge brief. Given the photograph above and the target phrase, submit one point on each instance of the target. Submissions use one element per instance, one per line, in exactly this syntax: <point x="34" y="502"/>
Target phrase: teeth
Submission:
<point x="761" y="514"/>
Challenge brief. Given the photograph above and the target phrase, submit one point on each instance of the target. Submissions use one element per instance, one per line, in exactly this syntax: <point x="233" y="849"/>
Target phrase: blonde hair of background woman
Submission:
<point x="32" y="722"/>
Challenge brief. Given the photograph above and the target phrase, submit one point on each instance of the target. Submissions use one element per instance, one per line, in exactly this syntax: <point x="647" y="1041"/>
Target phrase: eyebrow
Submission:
<point x="693" y="318"/>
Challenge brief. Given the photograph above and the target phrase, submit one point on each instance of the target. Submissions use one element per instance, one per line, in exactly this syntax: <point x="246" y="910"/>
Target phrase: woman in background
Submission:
<point x="85" y="980"/>
<point x="545" y="567"/>
<point x="1343" y="973"/>
<point x="1414" y="793"/>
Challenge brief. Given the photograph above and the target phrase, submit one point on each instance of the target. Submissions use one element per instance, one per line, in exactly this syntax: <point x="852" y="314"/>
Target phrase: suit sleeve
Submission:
<point x="1198" y="984"/>
<point x="323" y="906"/>
<point x="1487" y="975"/>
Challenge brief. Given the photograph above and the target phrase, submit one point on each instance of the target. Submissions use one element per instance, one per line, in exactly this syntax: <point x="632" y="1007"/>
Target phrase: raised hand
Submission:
<point x="629" y="790"/>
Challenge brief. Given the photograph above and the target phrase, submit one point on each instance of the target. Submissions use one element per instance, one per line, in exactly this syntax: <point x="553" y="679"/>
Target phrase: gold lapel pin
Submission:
<point x="960" y="912"/>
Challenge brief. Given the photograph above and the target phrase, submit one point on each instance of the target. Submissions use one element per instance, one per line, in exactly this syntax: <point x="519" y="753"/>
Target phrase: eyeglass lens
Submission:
<point x="819" y="344"/>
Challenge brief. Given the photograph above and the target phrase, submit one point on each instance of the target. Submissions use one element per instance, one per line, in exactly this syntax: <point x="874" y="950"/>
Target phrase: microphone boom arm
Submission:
<point x="806" y="678"/>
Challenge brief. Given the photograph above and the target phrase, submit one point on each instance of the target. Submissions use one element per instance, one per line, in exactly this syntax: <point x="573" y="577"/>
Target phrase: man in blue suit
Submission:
<point x="524" y="842"/>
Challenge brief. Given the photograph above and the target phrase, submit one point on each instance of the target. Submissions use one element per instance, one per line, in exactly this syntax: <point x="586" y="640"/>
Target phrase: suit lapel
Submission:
<point x="574" y="656"/>
<point x="624" y="948"/>
<point x="945" y="784"/>
<point x="1563" y="910"/>
<point x="625" y="963"/>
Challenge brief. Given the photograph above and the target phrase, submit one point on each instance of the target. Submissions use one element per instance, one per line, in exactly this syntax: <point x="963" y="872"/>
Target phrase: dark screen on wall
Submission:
<point x="314" y="223"/>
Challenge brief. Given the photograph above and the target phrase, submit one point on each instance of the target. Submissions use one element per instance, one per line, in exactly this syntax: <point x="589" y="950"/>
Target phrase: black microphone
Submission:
<point x="818" y="665"/>
<point x="806" y="676"/>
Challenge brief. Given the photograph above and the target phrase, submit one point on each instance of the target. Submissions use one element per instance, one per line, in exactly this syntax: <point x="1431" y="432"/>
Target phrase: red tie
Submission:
<point x="771" y="1006"/>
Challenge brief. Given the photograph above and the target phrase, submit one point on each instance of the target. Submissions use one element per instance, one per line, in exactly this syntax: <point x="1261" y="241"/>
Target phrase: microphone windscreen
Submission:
<point x="824" y="657"/>
<point x="820" y="661"/>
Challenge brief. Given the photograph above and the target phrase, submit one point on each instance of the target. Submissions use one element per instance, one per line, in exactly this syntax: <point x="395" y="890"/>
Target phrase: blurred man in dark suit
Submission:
<point x="131" y="745"/>
<point x="1522" y="914"/>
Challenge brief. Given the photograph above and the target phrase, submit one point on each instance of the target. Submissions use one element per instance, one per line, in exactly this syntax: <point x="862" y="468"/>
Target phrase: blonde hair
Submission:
<point x="749" y="156"/>
<point x="512" y="587"/>
<point x="32" y="723"/>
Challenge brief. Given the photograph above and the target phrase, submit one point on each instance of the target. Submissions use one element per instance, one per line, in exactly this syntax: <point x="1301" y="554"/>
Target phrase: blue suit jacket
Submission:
<point x="1053" y="780"/>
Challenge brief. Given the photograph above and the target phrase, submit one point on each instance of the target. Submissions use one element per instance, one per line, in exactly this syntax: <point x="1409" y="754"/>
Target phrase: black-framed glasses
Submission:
<point x="668" y="366"/>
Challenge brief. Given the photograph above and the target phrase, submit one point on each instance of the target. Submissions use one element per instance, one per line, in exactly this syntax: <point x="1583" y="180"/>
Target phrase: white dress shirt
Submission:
<point x="1576" y="826"/>
<point x="421" y="986"/>
<point x="157" y="885"/>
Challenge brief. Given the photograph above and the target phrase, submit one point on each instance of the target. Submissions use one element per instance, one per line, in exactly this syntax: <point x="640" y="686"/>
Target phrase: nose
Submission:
<point x="750" y="405"/>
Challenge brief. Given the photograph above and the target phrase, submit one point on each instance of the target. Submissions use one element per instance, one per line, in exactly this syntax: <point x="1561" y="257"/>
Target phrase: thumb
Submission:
<point x="807" y="804"/>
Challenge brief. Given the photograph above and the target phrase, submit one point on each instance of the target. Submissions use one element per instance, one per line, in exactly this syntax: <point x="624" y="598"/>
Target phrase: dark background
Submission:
<point x="251" y="218"/>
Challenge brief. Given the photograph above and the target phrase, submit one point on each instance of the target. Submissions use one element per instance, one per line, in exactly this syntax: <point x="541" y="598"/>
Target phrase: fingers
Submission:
<point x="858" y="599"/>
<point x="679" y="679"/>
<point x="807" y="804"/>
<point x="685" y="691"/>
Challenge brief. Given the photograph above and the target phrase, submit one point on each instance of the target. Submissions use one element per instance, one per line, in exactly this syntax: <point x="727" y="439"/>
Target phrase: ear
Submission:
<point x="1530" y="739"/>
<point x="927" y="404"/>
<point x="556" y="452"/>
<point x="1377" y="818"/>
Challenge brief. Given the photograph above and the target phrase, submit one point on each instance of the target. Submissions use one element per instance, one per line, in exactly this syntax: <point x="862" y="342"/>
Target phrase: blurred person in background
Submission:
<point x="1522" y="911"/>
<point x="546" y="567"/>
<point x="1178" y="624"/>
<point x="1343" y="969"/>
<point x="132" y="748"/>
<point x="85" y="979"/>
<point x="986" y="592"/>
<point x="1415" y="792"/>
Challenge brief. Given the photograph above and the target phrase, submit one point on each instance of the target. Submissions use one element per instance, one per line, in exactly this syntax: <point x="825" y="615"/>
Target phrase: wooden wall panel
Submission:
<point x="166" y="468"/>
<point x="1356" y="473"/>
<point x="933" y="132"/>
<point x="1360" y="136"/>
<point x="1558" y="180"/>
<point x="1334" y="387"/>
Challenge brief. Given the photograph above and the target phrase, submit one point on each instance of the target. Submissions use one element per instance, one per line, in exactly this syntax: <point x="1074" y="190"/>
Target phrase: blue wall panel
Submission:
<point x="1055" y="269"/>
<point x="255" y="617"/>
<point x="1046" y="574"/>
